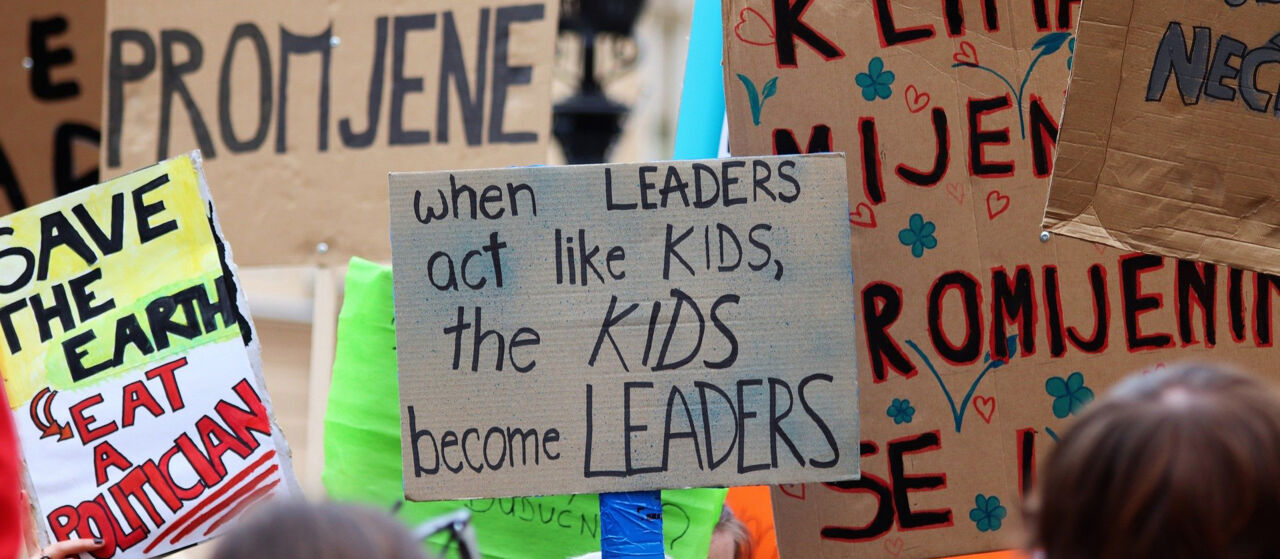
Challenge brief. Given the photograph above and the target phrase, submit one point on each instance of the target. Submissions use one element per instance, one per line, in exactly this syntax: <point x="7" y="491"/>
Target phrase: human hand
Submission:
<point x="69" y="548"/>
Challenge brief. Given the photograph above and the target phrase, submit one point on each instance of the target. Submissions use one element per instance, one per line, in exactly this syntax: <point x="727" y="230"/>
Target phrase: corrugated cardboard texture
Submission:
<point x="51" y="94"/>
<point x="1170" y="137"/>
<point x="948" y="267"/>
<point x="703" y="340"/>
<point x="352" y="90"/>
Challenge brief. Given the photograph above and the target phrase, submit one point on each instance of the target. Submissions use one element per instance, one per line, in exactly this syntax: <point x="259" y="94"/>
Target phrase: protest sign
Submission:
<point x="301" y="107"/>
<point x="623" y="327"/>
<point x="978" y="338"/>
<point x="132" y="367"/>
<point x="362" y="452"/>
<point x="1169" y="139"/>
<point x="51" y="91"/>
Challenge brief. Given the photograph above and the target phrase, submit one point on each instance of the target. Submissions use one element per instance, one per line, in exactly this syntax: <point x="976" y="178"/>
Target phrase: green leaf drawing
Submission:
<point x="770" y="89"/>
<point x="753" y="97"/>
<point x="1051" y="43"/>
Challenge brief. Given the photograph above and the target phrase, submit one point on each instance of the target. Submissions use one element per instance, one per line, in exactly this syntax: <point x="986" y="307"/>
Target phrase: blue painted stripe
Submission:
<point x="702" y="99"/>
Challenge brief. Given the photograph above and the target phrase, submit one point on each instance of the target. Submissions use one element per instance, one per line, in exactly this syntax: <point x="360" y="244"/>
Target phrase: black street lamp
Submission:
<point x="587" y="123"/>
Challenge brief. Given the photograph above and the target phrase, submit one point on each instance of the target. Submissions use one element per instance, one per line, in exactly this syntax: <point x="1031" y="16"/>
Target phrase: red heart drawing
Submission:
<point x="1101" y="248"/>
<point x="966" y="55"/>
<point x="997" y="203"/>
<point x="790" y="490"/>
<point x="894" y="546"/>
<point x="863" y="216"/>
<point x="986" y="407"/>
<point x="754" y="30"/>
<point x="916" y="100"/>
<point x="956" y="190"/>
<point x="1157" y="368"/>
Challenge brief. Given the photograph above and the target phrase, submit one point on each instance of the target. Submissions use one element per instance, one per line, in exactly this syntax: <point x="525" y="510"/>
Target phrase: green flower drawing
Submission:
<point x="918" y="235"/>
<point x="1069" y="395"/>
<point x="987" y="513"/>
<point x="901" y="411"/>
<point x="875" y="81"/>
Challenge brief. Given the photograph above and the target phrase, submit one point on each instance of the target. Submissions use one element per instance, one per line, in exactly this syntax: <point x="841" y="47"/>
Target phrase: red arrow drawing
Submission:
<point x="50" y="427"/>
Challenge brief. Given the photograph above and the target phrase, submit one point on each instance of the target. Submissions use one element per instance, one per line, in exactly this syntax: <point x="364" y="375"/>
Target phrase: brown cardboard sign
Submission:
<point x="978" y="339"/>
<point x="301" y="107"/>
<point x="624" y="327"/>
<point x="51" y="94"/>
<point x="1170" y="135"/>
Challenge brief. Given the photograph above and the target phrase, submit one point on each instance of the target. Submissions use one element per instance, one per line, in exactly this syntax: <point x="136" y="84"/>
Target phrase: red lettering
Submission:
<point x="162" y="485"/>
<point x="105" y="455"/>
<point x="217" y="441"/>
<point x="113" y="537"/>
<point x="170" y="382"/>
<point x="132" y="487"/>
<point x="136" y="395"/>
<point x="84" y="422"/>
<point x="184" y="493"/>
<point x="63" y="520"/>
<point x="243" y="421"/>
<point x="208" y="474"/>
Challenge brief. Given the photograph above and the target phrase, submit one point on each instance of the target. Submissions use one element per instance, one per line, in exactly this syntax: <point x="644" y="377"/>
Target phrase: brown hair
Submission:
<point x="1183" y="463"/>
<point x="292" y="529"/>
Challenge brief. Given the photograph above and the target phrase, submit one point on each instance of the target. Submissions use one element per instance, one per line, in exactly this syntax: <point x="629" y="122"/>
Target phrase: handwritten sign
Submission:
<point x="51" y="91"/>
<point x="301" y="108"/>
<point x="1169" y="140"/>
<point x="623" y="327"/>
<point x="132" y="367"/>
<point x="978" y="338"/>
<point x="362" y="452"/>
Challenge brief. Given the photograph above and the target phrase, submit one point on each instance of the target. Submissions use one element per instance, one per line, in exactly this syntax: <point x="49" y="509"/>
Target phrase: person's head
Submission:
<point x="1183" y="463"/>
<point x="298" y="530"/>
<point x="729" y="540"/>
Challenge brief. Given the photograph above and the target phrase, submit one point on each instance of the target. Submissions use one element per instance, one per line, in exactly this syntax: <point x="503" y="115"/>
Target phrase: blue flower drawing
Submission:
<point x="987" y="513"/>
<point x="901" y="411"/>
<point x="918" y="235"/>
<point x="1069" y="395"/>
<point x="875" y="81"/>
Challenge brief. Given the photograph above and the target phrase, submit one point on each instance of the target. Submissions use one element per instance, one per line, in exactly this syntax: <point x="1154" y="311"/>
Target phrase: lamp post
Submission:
<point x="587" y="122"/>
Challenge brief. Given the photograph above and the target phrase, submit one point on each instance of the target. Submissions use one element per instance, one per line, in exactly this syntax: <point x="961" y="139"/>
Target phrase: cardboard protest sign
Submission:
<point x="51" y="92"/>
<point x="132" y="367"/>
<point x="301" y="107"/>
<point x="362" y="452"/>
<point x="1169" y="139"/>
<point x="623" y="327"/>
<point x="978" y="338"/>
